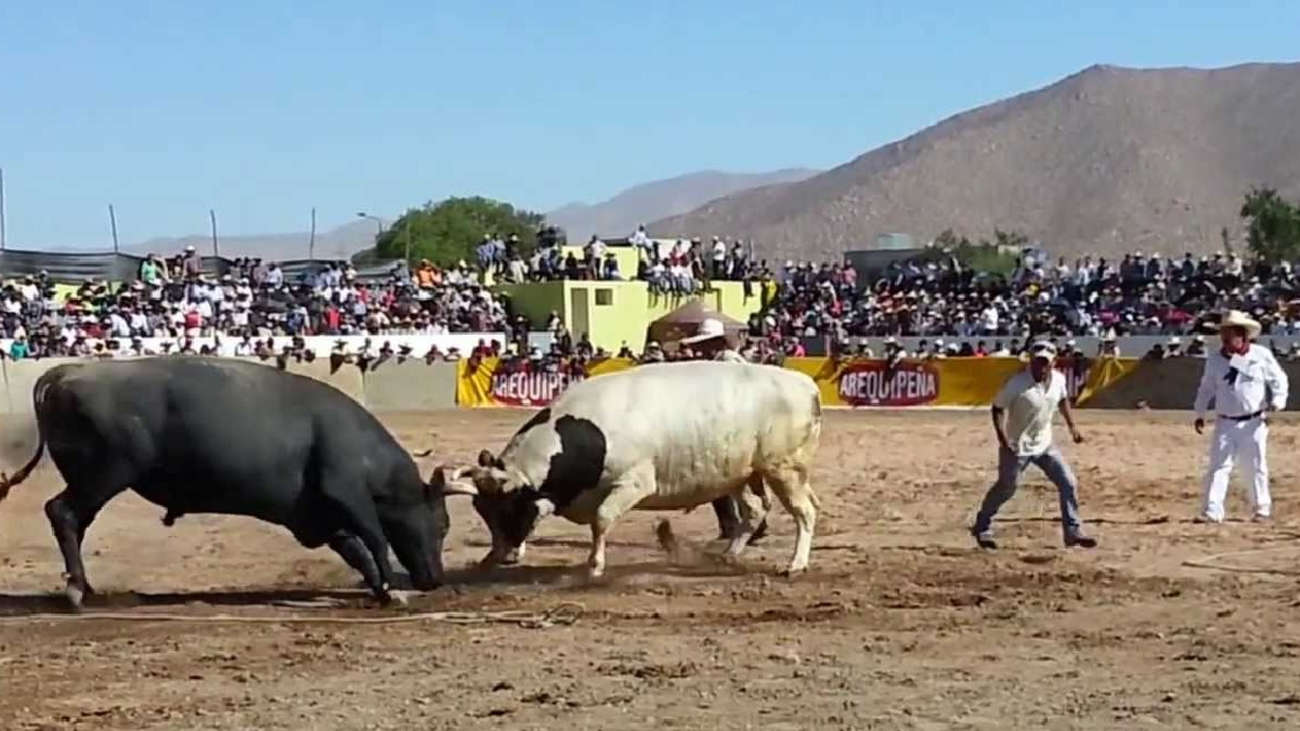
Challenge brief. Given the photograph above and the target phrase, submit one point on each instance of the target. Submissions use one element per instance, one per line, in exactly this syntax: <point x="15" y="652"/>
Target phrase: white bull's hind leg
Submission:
<point x="631" y="488"/>
<point x="751" y="500"/>
<point x="790" y="483"/>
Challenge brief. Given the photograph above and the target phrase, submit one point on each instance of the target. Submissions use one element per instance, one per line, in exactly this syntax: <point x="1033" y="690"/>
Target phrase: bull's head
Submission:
<point x="503" y="499"/>
<point x="416" y="524"/>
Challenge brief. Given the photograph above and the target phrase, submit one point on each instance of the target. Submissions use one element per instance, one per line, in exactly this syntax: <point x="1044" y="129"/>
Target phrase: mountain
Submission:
<point x="641" y="204"/>
<point x="1105" y="161"/>
<point x="338" y="243"/>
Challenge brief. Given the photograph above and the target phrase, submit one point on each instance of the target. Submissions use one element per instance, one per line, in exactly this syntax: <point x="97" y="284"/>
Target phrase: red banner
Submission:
<point x="490" y="382"/>
<point x="530" y="388"/>
<point x="873" y="383"/>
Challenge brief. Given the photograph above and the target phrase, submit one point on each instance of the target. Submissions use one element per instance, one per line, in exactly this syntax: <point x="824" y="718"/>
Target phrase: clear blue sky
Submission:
<point x="264" y="109"/>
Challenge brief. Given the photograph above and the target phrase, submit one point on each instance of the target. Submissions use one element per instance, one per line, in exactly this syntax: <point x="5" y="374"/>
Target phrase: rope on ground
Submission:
<point x="1211" y="562"/>
<point x="561" y="615"/>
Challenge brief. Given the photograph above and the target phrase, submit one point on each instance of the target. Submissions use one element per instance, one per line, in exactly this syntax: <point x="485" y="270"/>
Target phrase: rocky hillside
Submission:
<point x="1105" y="161"/>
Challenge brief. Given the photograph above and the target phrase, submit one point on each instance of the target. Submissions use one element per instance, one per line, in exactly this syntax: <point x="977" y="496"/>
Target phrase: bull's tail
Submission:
<point x="42" y="386"/>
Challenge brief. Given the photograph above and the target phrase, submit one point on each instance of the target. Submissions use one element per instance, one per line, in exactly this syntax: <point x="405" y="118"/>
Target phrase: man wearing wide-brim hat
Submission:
<point x="710" y="341"/>
<point x="1245" y="382"/>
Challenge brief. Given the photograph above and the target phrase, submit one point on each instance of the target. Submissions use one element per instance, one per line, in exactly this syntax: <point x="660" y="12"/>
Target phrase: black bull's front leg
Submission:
<point x="355" y="553"/>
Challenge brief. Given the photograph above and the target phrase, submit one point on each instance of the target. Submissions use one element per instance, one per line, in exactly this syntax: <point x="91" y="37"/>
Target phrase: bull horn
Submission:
<point x="454" y="485"/>
<point x="459" y="487"/>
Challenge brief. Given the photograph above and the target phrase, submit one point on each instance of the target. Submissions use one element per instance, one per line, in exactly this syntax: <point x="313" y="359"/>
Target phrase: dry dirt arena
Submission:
<point x="901" y="622"/>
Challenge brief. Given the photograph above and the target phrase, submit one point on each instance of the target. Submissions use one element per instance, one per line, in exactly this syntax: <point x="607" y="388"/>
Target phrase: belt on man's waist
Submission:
<point x="1246" y="417"/>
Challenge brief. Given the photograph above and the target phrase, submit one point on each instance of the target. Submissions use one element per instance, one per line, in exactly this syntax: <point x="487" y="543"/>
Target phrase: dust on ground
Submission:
<point x="901" y="622"/>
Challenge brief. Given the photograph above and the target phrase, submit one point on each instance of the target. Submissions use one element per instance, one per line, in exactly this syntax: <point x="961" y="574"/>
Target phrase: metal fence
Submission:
<point x="116" y="267"/>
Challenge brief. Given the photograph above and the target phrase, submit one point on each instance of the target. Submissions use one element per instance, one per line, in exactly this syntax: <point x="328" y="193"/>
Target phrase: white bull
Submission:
<point x="658" y="437"/>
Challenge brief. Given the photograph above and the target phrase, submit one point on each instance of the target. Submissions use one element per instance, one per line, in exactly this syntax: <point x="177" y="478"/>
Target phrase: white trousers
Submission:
<point x="1233" y="440"/>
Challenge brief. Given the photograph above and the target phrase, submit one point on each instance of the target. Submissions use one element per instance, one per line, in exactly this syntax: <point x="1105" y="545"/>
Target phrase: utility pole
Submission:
<point x="112" y="223"/>
<point x="311" y="242"/>
<point x="213" y="215"/>
<point x="2" y="209"/>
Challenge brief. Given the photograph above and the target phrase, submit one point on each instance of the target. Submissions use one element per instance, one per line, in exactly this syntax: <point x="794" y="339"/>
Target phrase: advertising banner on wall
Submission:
<point x="496" y="382"/>
<point x="941" y="382"/>
<point x="854" y="383"/>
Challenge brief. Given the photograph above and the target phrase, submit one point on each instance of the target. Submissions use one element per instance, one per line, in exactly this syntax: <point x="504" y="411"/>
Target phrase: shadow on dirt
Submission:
<point x="458" y="582"/>
<point x="576" y="574"/>
<point x="20" y="604"/>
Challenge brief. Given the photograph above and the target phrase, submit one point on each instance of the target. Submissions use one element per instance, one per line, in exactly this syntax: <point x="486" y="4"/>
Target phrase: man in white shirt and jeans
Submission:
<point x="1022" y="420"/>
<point x="1236" y="378"/>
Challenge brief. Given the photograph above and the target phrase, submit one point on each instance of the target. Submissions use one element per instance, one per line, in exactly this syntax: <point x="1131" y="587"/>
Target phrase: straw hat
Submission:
<point x="709" y="329"/>
<point x="1042" y="349"/>
<point x="1237" y="318"/>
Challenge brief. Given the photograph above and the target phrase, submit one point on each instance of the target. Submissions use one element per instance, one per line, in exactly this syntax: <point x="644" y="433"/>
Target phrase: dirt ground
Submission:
<point x="901" y="622"/>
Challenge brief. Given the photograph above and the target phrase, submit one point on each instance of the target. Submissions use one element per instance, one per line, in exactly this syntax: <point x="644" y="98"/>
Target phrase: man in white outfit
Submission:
<point x="710" y="340"/>
<point x="1245" y="382"/>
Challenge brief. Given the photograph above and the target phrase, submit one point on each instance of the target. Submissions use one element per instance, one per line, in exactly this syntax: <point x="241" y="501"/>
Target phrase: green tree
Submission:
<point x="1274" y="232"/>
<point x="984" y="256"/>
<point x="1013" y="239"/>
<point x="448" y="231"/>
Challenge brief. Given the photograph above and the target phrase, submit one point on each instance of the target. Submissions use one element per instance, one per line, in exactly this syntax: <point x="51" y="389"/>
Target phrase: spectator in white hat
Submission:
<point x="1022" y="420"/>
<point x="1245" y="382"/>
<point x="711" y="342"/>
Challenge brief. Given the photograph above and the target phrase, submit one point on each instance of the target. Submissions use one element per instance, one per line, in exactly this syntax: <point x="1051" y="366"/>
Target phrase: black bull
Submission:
<point x="206" y="435"/>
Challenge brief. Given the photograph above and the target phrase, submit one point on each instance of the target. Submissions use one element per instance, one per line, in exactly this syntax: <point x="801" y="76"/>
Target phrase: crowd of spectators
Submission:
<point x="959" y="311"/>
<point x="678" y="266"/>
<point x="177" y="301"/>
<point x="1139" y="295"/>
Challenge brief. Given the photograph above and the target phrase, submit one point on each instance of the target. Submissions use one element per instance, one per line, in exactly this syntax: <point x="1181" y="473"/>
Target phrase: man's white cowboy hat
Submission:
<point x="1237" y="318"/>
<point x="1042" y="349"/>
<point x="709" y="329"/>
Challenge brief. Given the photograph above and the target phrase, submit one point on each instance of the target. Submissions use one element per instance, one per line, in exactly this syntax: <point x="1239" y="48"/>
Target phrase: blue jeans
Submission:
<point x="1009" y="468"/>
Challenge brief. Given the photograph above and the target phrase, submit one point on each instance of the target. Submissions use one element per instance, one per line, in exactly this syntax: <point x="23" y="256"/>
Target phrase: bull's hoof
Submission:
<point x="426" y="586"/>
<point x="75" y="595"/>
<point x="496" y="558"/>
<point x="793" y="571"/>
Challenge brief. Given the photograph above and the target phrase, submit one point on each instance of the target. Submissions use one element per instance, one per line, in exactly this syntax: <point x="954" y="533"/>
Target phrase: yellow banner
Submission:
<point x="490" y="382"/>
<point x="942" y="382"/>
<point x="1103" y="372"/>
<point x="970" y="382"/>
